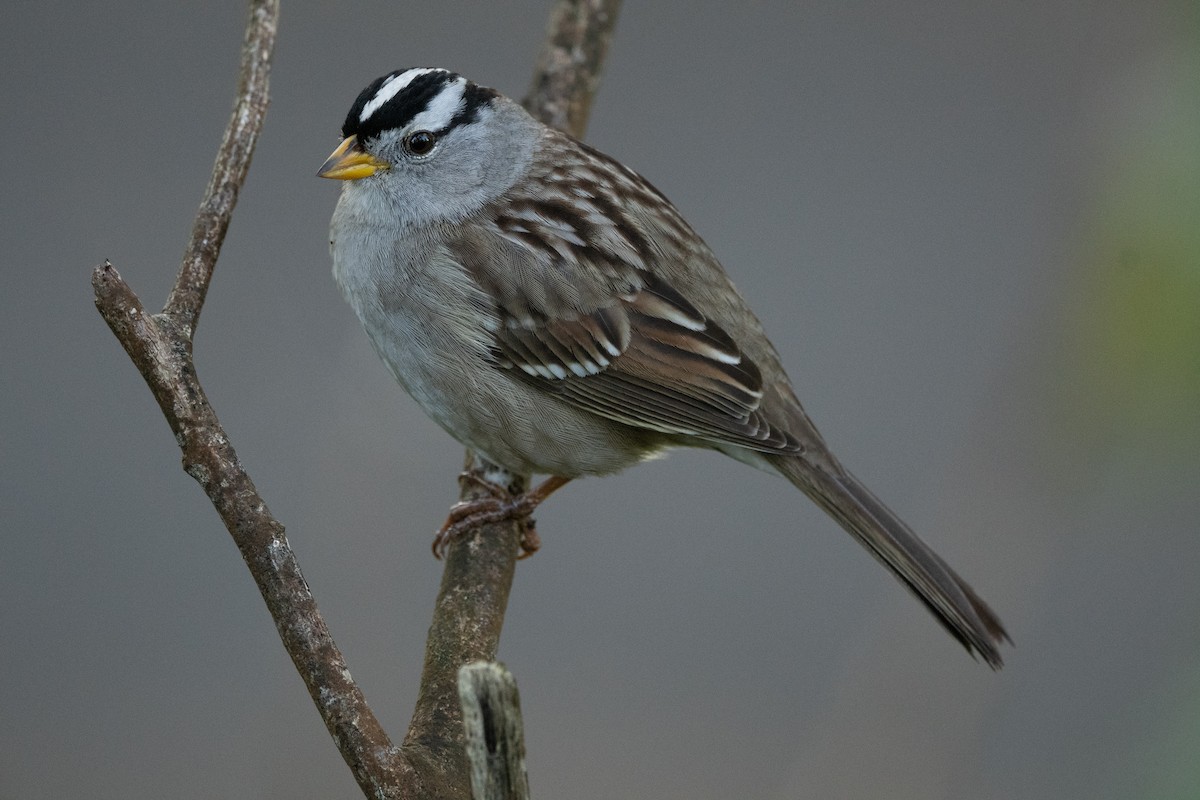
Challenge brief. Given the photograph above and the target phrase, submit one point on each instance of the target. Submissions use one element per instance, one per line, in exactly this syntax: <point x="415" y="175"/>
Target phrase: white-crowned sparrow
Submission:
<point x="551" y="309"/>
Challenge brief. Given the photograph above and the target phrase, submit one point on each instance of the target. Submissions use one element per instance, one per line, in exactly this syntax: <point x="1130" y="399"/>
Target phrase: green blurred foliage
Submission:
<point x="1132" y="377"/>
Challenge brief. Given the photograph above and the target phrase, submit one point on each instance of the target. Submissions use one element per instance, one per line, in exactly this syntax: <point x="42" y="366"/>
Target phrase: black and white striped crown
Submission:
<point x="434" y="99"/>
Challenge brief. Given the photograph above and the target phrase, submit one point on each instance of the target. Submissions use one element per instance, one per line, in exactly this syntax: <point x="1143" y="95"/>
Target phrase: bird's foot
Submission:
<point x="466" y="515"/>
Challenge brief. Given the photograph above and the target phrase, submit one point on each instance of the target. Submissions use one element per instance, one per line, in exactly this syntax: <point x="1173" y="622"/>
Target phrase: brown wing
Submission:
<point x="585" y="314"/>
<point x="649" y="360"/>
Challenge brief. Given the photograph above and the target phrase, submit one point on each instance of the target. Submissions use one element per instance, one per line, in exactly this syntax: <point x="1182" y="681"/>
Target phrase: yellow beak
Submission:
<point x="350" y="162"/>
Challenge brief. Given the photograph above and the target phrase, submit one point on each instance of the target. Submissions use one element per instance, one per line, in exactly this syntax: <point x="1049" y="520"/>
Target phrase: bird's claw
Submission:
<point x="467" y="515"/>
<point x="502" y="505"/>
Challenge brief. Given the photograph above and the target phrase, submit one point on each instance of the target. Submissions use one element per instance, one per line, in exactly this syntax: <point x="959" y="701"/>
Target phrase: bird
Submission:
<point x="552" y="310"/>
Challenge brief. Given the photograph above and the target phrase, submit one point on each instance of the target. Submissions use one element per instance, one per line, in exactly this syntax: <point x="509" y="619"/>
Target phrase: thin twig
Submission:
<point x="160" y="346"/>
<point x="229" y="171"/>
<point x="568" y="69"/>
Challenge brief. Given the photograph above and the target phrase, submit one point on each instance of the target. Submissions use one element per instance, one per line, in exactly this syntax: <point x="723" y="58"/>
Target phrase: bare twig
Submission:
<point x="160" y="346"/>
<point x="162" y="354"/>
<point x="229" y="171"/>
<point x="568" y="69"/>
<point x="479" y="568"/>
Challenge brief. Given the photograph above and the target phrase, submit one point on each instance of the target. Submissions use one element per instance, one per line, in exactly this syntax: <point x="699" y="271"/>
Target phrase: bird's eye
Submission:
<point x="419" y="143"/>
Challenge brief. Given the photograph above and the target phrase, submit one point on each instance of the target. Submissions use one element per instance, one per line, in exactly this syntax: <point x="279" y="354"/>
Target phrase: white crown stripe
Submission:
<point x="389" y="89"/>
<point x="442" y="108"/>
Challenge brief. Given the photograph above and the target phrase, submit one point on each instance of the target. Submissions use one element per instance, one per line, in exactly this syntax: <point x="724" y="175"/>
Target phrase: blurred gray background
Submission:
<point x="973" y="230"/>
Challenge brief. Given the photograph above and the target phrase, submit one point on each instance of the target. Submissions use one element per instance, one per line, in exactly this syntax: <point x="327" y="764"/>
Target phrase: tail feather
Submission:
<point x="947" y="596"/>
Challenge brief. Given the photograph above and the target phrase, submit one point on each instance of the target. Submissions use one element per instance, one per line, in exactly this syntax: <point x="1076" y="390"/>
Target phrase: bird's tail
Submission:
<point x="948" y="596"/>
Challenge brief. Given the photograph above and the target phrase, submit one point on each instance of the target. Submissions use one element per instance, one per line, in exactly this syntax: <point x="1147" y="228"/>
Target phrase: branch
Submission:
<point x="568" y="69"/>
<point x="229" y="171"/>
<point x="495" y="735"/>
<point x="160" y="346"/>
